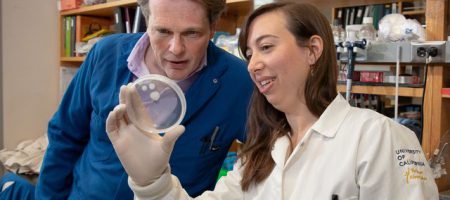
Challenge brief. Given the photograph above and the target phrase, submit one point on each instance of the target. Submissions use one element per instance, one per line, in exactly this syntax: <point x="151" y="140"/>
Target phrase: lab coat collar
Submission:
<point x="332" y="118"/>
<point x="279" y="150"/>
<point x="327" y="125"/>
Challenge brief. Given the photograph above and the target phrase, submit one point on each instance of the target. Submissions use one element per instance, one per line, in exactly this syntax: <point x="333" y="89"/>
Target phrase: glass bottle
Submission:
<point x="338" y="36"/>
<point x="367" y="30"/>
<point x="338" y="31"/>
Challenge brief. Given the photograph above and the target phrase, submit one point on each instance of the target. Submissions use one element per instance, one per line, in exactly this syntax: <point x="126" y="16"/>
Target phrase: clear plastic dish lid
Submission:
<point x="157" y="104"/>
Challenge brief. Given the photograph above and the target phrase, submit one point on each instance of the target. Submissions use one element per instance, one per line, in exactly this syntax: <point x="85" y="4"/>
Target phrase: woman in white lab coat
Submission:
<point x="304" y="140"/>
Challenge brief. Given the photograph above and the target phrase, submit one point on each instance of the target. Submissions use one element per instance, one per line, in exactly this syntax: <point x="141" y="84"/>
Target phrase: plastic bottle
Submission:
<point x="338" y="36"/>
<point x="367" y="30"/>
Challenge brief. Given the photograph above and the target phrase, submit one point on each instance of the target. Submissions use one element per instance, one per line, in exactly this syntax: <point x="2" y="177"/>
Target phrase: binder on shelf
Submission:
<point x="339" y="14"/>
<point x="118" y="20"/>
<point x="127" y="20"/>
<point x="377" y="14"/>
<point x="63" y="36"/>
<point x="72" y="35"/>
<point x="139" y="24"/>
<point x="359" y="15"/>
<point x="347" y="17"/>
<point x="67" y="36"/>
<point x="367" y="11"/>
<point x="352" y="16"/>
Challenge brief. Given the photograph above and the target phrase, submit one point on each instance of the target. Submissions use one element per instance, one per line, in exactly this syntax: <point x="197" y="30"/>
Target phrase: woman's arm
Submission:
<point x="168" y="187"/>
<point x="391" y="164"/>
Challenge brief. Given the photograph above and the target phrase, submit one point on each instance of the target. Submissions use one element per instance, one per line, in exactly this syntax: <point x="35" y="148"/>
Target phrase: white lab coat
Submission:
<point x="350" y="152"/>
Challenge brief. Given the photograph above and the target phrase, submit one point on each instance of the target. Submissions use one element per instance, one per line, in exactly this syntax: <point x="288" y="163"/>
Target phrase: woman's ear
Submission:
<point x="316" y="48"/>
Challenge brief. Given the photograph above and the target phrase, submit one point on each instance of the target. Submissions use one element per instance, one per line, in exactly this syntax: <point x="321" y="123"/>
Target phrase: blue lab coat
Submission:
<point x="80" y="162"/>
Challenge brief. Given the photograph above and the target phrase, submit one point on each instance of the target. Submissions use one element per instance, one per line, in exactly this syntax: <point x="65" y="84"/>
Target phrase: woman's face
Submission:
<point x="277" y="65"/>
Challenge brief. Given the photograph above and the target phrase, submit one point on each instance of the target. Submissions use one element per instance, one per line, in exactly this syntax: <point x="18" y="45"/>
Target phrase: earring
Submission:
<point x="312" y="69"/>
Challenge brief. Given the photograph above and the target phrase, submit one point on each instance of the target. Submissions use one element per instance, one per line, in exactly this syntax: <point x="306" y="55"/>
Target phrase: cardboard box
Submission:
<point x="70" y="4"/>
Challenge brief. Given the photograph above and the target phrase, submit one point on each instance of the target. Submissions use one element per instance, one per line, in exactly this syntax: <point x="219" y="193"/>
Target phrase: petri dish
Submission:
<point x="156" y="104"/>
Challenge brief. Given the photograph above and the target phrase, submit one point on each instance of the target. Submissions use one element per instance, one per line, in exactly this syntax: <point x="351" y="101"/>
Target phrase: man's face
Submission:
<point x="179" y="33"/>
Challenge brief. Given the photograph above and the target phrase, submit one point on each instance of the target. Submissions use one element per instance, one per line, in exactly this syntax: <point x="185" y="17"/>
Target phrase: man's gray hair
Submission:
<point x="214" y="9"/>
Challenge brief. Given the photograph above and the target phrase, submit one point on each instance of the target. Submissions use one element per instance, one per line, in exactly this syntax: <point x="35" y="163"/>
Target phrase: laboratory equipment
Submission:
<point x="351" y="45"/>
<point x="338" y="37"/>
<point x="155" y="104"/>
<point x="440" y="157"/>
<point x="367" y="30"/>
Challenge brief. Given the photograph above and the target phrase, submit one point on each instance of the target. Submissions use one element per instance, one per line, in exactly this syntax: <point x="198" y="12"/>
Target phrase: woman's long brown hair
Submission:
<point x="265" y="123"/>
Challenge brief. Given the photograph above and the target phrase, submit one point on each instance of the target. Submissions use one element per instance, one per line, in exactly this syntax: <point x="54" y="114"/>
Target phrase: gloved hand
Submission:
<point x="145" y="156"/>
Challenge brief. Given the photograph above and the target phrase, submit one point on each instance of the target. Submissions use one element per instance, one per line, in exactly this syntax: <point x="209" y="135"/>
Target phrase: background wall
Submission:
<point x="29" y="77"/>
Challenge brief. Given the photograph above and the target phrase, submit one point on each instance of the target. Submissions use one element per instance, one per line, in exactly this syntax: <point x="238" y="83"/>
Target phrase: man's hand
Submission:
<point x="144" y="156"/>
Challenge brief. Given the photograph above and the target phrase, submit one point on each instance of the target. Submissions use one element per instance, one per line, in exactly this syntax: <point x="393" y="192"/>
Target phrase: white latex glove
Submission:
<point x="145" y="156"/>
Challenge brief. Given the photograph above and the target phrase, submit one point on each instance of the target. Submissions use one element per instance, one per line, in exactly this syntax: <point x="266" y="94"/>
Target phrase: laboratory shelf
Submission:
<point x="384" y="90"/>
<point x="103" y="9"/>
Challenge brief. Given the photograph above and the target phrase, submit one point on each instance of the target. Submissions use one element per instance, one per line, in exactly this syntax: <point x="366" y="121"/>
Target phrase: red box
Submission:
<point x="70" y="4"/>
<point x="371" y="77"/>
<point x="445" y="91"/>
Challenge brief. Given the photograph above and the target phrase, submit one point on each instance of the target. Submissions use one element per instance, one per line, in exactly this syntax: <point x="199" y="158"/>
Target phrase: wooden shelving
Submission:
<point x="72" y="59"/>
<point x="232" y="18"/>
<point x="414" y="12"/>
<point x="234" y="7"/>
<point x="347" y="3"/>
<point x="384" y="90"/>
<point x="104" y="9"/>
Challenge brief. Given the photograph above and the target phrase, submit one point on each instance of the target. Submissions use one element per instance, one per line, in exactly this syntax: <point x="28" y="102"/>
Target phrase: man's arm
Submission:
<point x="68" y="133"/>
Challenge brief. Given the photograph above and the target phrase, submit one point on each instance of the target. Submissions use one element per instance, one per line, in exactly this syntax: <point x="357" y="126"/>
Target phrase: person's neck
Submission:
<point x="300" y="120"/>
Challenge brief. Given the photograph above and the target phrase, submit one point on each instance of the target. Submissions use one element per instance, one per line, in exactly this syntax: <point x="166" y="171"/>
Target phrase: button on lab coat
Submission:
<point x="349" y="152"/>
